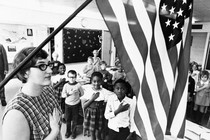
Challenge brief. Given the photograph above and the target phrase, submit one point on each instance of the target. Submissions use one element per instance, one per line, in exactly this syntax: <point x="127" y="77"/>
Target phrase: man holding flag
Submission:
<point x="152" y="38"/>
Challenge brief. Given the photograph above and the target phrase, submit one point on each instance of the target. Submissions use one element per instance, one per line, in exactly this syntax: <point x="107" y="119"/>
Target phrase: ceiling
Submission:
<point x="201" y="10"/>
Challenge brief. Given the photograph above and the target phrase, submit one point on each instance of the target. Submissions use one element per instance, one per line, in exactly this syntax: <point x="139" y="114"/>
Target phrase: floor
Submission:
<point x="11" y="88"/>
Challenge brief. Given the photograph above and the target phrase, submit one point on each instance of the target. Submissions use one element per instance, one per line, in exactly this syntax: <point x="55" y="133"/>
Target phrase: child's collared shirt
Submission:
<point x="72" y="93"/>
<point x="123" y="119"/>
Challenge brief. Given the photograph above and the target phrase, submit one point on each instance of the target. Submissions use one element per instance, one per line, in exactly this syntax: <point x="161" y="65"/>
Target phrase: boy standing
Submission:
<point x="120" y="112"/>
<point x="72" y="91"/>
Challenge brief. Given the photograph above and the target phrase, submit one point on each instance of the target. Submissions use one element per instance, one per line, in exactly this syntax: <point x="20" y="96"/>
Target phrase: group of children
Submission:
<point x="107" y="107"/>
<point x="199" y="93"/>
<point x="95" y="64"/>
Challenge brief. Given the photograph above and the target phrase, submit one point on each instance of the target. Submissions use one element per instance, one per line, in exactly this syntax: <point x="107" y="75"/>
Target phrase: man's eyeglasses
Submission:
<point x="43" y="67"/>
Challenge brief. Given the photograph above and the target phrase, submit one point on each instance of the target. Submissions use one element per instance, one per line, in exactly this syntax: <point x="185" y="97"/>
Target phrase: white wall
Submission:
<point x="200" y="43"/>
<point x="198" y="47"/>
<point x="39" y="20"/>
<point x="17" y="34"/>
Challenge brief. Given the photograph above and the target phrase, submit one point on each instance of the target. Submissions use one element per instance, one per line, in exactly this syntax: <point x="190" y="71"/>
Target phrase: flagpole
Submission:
<point x="37" y="49"/>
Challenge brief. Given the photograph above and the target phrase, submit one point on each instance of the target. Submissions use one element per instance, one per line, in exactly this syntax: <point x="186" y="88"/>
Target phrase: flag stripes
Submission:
<point x="157" y="72"/>
<point x="179" y="103"/>
<point x="147" y="28"/>
<point x="163" y="54"/>
<point x="135" y="56"/>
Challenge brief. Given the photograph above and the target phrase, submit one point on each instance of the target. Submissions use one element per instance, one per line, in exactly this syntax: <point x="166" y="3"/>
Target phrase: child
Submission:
<point x="107" y="77"/>
<point x="58" y="82"/>
<point x="119" y="112"/>
<point x="191" y="91"/>
<point x="119" y="74"/>
<point x="195" y="71"/>
<point x="202" y="98"/>
<point x="55" y="63"/>
<point x="72" y="91"/>
<point x="89" y="68"/>
<point x="93" y="103"/>
<point x="96" y="60"/>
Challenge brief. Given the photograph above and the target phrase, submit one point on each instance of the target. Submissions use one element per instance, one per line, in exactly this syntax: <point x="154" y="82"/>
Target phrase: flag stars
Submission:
<point x="180" y="12"/>
<point x="190" y="6"/>
<point x="182" y="29"/>
<point x="163" y="8"/>
<point x="171" y="37"/>
<point x="168" y="22"/>
<point x="172" y="10"/>
<point x="175" y="25"/>
<point x="184" y="1"/>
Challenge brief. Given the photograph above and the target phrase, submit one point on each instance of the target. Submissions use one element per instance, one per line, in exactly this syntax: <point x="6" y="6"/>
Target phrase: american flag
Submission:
<point x="78" y="44"/>
<point x="152" y="38"/>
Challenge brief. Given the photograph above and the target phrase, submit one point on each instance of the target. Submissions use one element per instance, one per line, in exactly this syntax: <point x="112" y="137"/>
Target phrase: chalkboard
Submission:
<point x="78" y="44"/>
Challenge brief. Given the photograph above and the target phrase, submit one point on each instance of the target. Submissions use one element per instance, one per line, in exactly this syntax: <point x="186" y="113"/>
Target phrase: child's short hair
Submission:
<point x="123" y="82"/>
<point x="95" y="51"/>
<point x="204" y="72"/>
<point x="96" y="73"/>
<point x="61" y="64"/>
<point x="90" y="57"/>
<point x="103" y="63"/>
<point x="20" y="56"/>
<point x="72" y="72"/>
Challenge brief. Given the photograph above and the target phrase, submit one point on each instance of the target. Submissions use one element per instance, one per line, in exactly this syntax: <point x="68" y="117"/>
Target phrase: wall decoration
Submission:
<point x="78" y="44"/>
<point x="14" y="37"/>
<point x="29" y="32"/>
<point x="11" y="48"/>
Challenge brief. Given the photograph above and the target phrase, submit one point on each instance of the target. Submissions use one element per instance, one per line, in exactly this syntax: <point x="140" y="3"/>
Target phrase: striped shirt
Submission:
<point x="36" y="110"/>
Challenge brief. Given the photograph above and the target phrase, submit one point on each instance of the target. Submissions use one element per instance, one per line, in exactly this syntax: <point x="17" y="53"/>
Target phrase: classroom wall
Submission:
<point x="198" y="47"/>
<point x="39" y="20"/>
<point x="14" y="37"/>
<point x="200" y="44"/>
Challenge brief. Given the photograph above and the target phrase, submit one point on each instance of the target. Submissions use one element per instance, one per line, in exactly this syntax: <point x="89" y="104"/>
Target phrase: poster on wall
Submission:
<point x="13" y="37"/>
<point x="78" y="44"/>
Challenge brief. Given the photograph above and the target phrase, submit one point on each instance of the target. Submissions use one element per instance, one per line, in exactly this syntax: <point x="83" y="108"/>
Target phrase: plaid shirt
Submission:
<point x="36" y="110"/>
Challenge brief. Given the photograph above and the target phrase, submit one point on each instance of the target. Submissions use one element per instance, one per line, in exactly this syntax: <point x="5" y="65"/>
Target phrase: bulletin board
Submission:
<point x="78" y="44"/>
